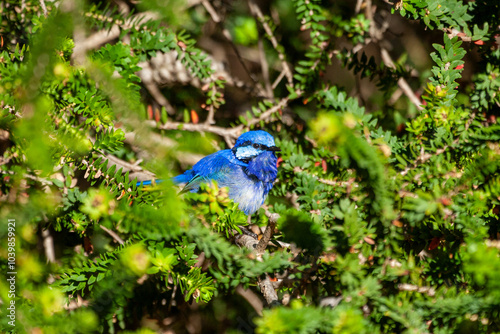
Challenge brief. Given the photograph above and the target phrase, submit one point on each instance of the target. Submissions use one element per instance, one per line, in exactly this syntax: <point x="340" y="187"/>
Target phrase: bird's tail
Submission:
<point x="179" y="179"/>
<point x="148" y="182"/>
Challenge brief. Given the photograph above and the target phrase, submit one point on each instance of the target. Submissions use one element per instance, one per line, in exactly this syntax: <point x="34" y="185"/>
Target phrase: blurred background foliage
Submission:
<point x="386" y="113"/>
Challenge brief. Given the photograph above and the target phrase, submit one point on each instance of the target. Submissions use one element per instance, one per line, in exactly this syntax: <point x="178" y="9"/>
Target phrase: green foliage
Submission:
<point x="298" y="228"/>
<point x="303" y="319"/>
<point x="388" y="188"/>
<point x="486" y="88"/>
<point x="437" y="14"/>
<point x="245" y="31"/>
<point x="307" y="71"/>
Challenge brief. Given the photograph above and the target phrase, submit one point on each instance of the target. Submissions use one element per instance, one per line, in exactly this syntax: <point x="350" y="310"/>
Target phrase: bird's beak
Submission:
<point x="274" y="149"/>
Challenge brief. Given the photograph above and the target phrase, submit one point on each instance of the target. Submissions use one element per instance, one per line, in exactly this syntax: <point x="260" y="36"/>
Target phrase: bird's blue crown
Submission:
<point x="252" y="143"/>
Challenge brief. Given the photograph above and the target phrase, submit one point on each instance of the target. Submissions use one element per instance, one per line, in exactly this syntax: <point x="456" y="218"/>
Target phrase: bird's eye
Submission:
<point x="257" y="146"/>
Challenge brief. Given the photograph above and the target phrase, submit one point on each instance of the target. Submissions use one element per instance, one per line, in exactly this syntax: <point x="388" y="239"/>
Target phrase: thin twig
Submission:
<point x="210" y="117"/>
<point x="402" y="83"/>
<point x="48" y="245"/>
<point x="158" y="96"/>
<point x="44" y="8"/>
<point x="376" y="35"/>
<point x="211" y="11"/>
<point x="227" y="133"/>
<point x="493" y="243"/>
<point x="334" y="183"/>
<point x="421" y="289"/>
<point x="95" y="40"/>
<point x="211" y="109"/>
<point x="254" y="8"/>
<point x="41" y="180"/>
<point x="265" y="116"/>
<point x="115" y="236"/>
<point x="357" y="9"/>
<point x="126" y="166"/>
<point x="200" y="127"/>
<point x="216" y="18"/>
<point x="265" y="70"/>
<point x="257" y="85"/>
<point x="452" y="32"/>
<point x="268" y="291"/>
<point x="101" y="37"/>
<point x="278" y="79"/>
<point x="251" y="298"/>
<point x="395" y="96"/>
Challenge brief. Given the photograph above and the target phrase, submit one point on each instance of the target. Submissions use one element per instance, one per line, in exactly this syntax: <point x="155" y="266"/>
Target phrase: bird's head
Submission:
<point x="252" y="143"/>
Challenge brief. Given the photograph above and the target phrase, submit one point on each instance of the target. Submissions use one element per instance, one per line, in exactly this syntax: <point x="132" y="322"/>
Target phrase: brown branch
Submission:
<point x="421" y="289"/>
<point x="424" y="157"/>
<point x="210" y="117"/>
<point x="95" y="40"/>
<point x="395" y="96"/>
<point x="280" y="243"/>
<point x="258" y="247"/>
<point x="229" y="134"/>
<point x="268" y="233"/>
<point x="125" y="166"/>
<point x="201" y="127"/>
<point x="267" y="289"/>
<point x="155" y="140"/>
<point x="493" y="243"/>
<point x="247" y="241"/>
<point x="330" y="301"/>
<point x="357" y="9"/>
<point x="265" y="285"/>
<point x="76" y="303"/>
<point x="251" y="298"/>
<point x="293" y="198"/>
<point x="137" y="171"/>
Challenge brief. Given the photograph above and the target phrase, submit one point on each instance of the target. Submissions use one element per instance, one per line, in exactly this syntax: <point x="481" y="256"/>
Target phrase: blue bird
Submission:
<point x="248" y="170"/>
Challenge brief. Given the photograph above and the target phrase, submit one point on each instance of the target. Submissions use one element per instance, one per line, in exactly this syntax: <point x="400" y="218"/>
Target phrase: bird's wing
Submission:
<point x="193" y="184"/>
<point x="213" y="167"/>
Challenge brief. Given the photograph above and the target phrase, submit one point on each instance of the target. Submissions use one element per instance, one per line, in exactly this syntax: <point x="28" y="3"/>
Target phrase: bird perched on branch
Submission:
<point x="248" y="170"/>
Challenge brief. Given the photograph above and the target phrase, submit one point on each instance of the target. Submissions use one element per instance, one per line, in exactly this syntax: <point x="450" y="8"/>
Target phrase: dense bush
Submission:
<point x="385" y="214"/>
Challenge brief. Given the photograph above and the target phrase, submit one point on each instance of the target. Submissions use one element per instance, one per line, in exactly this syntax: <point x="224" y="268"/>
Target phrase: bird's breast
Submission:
<point x="246" y="190"/>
